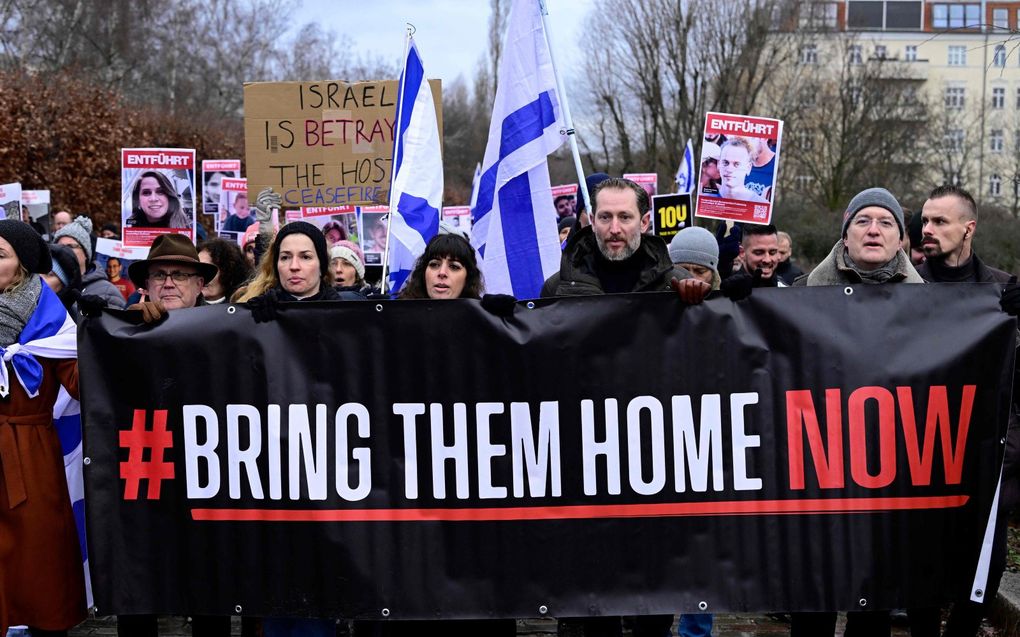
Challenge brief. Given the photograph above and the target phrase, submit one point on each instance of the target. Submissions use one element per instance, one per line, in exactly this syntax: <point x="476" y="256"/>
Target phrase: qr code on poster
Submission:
<point x="761" y="212"/>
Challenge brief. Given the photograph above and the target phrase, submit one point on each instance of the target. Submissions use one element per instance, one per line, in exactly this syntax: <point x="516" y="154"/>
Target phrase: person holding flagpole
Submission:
<point x="42" y="581"/>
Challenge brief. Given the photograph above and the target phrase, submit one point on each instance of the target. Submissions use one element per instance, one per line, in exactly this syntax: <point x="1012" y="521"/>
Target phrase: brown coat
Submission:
<point x="41" y="579"/>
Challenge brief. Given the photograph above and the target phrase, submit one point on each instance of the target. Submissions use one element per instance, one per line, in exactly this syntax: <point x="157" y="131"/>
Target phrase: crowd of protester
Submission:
<point x="606" y="251"/>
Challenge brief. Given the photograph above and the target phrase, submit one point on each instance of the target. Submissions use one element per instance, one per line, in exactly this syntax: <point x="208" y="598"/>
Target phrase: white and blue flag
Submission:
<point x="416" y="195"/>
<point x="685" y="175"/>
<point x="51" y="333"/>
<point x="514" y="221"/>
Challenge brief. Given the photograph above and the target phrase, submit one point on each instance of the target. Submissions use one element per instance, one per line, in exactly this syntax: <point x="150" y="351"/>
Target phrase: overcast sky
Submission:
<point x="451" y="34"/>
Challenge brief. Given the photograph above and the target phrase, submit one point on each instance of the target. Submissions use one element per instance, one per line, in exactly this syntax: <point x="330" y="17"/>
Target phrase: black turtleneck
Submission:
<point x="942" y="273"/>
<point x="618" y="277"/>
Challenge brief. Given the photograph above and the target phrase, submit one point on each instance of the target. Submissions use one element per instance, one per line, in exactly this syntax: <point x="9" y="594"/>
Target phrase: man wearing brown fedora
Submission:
<point x="172" y="277"/>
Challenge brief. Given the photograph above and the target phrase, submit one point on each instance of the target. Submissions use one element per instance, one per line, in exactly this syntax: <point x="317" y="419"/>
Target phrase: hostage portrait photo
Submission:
<point x="157" y="199"/>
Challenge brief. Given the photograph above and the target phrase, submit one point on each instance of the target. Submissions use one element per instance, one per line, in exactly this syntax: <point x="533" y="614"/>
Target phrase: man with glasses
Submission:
<point x="172" y="277"/>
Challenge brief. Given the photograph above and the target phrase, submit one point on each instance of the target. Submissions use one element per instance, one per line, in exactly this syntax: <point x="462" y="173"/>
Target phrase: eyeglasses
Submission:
<point x="178" y="277"/>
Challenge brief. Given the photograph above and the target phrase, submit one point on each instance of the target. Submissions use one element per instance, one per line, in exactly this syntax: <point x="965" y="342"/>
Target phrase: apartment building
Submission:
<point x="964" y="56"/>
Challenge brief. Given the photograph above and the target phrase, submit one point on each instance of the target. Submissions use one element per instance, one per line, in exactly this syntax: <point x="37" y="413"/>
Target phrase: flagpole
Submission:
<point x="566" y="109"/>
<point x="393" y="164"/>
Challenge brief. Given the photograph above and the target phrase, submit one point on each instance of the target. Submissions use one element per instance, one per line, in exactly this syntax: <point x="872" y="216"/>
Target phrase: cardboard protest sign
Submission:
<point x="327" y="143"/>
<point x="739" y="166"/>
<point x="35" y="205"/>
<point x="670" y="214"/>
<point x="565" y="200"/>
<point x="458" y="217"/>
<point x="338" y="223"/>
<point x="648" y="181"/>
<point x="374" y="233"/>
<point x="235" y="210"/>
<point x="214" y="171"/>
<point x="10" y="200"/>
<point x="157" y="194"/>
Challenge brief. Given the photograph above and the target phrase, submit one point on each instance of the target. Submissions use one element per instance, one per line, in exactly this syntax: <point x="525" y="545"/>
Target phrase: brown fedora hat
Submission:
<point x="170" y="248"/>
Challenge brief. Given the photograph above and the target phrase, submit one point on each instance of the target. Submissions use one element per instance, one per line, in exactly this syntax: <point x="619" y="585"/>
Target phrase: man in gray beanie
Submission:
<point x="77" y="235"/>
<point x="696" y="250"/>
<point x="869" y="250"/>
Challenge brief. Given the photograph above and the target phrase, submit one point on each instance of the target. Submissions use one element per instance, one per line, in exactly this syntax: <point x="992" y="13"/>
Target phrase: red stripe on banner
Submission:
<point x="580" y="512"/>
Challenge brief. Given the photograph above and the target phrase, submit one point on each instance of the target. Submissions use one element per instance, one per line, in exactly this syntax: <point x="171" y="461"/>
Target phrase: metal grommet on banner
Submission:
<point x="237" y="609"/>
<point x="543" y="610"/>
<point x="702" y="606"/>
<point x="378" y="307"/>
<point x="231" y="309"/>
<point x="848" y="290"/>
<point x="86" y="461"/>
<point x="979" y="593"/>
<point x="862" y="602"/>
<point x="531" y="305"/>
<point x="385" y="612"/>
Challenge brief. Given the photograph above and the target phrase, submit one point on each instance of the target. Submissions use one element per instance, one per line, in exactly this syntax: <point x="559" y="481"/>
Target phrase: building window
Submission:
<point x="956" y="16"/>
<point x="803" y="181"/>
<point x="1000" y="55"/>
<point x="1018" y="97"/>
<point x="901" y="15"/>
<point x="997" y="140"/>
<point x="890" y="15"/>
<point x="804" y="140"/>
<point x="911" y="53"/>
<point x="999" y="97"/>
<point x="855" y="54"/>
<point x="957" y="56"/>
<point x="881" y="52"/>
<point x="954" y="140"/>
<point x="994" y="185"/>
<point x="954" y="97"/>
<point x="865" y="15"/>
<point x="809" y="54"/>
<point x="1000" y="19"/>
<point x="818" y="15"/>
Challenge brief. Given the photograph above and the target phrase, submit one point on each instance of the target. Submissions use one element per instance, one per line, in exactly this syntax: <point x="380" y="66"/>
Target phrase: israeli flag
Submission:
<point x="514" y="221"/>
<point x="51" y="333"/>
<point x="685" y="175"/>
<point x="416" y="195"/>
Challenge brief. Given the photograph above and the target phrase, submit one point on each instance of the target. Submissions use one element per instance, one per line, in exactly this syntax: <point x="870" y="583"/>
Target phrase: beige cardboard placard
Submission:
<point x="323" y="143"/>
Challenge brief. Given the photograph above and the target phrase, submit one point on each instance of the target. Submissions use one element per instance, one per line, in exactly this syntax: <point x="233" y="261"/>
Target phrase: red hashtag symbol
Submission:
<point x="155" y="469"/>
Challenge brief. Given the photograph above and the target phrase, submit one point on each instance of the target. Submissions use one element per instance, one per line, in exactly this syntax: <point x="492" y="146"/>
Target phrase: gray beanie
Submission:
<point x="873" y="197"/>
<point x="80" y="230"/>
<point x="695" y="245"/>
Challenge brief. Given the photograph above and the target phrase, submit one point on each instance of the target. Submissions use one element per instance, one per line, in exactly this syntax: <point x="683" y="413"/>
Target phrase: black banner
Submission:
<point x="805" y="449"/>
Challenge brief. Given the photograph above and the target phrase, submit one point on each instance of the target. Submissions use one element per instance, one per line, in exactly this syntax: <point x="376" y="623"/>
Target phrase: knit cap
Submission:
<point x="27" y="244"/>
<point x="695" y="245"/>
<point x="350" y="253"/>
<point x="873" y="197"/>
<point x="310" y="231"/>
<point x="81" y="231"/>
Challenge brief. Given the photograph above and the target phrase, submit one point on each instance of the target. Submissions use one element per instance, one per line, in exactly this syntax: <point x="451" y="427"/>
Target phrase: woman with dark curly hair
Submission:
<point x="233" y="269"/>
<point x="155" y="203"/>
<point x="446" y="270"/>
